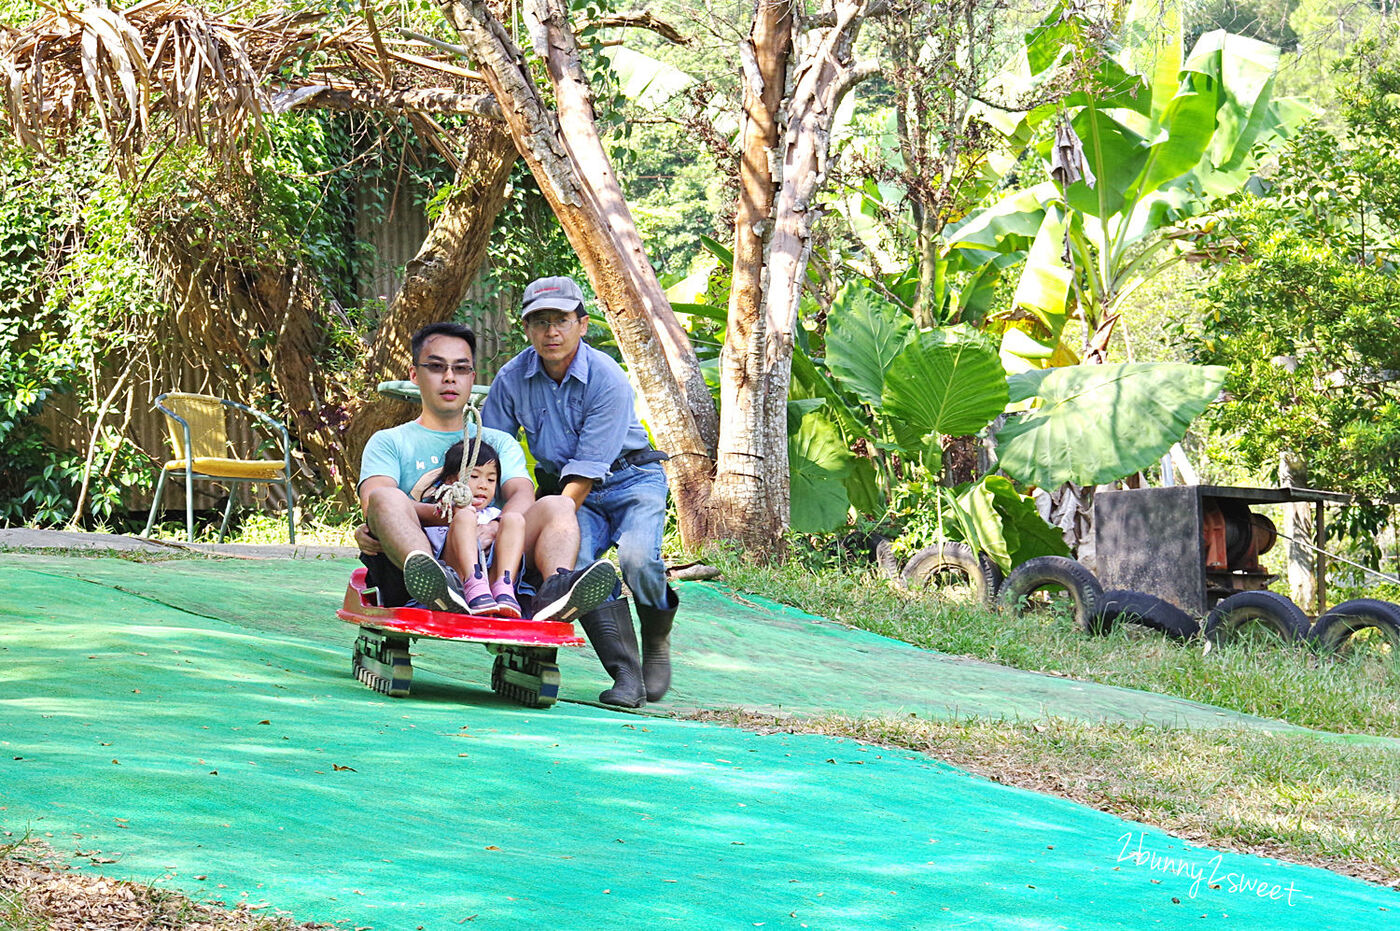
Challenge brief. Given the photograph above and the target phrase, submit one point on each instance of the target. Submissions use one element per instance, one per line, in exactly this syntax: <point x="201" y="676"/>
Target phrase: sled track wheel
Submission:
<point x="383" y="663"/>
<point x="527" y="676"/>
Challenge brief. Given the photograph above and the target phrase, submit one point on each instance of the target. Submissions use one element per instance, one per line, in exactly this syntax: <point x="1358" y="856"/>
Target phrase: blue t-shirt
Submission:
<point x="576" y="427"/>
<point x="412" y="455"/>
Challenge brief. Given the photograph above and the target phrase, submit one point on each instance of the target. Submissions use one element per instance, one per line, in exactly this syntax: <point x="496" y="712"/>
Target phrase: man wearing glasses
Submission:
<point x="576" y="408"/>
<point x="400" y="462"/>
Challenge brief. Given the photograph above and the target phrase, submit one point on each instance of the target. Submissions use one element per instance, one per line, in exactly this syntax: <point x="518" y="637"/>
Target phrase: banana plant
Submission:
<point x="1131" y="164"/>
<point x="895" y="391"/>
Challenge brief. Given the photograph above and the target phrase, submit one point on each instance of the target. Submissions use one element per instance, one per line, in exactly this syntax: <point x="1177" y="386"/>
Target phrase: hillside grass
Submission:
<point x="1261" y="676"/>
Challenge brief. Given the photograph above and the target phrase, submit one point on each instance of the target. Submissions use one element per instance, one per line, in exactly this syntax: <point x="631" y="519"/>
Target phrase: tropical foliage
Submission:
<point x="897" y="392"/>
<point x="1129" y="166"/>
<point x="1307" y="311"/>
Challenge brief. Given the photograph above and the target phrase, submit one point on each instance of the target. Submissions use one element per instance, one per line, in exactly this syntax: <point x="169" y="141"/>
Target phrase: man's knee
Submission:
<point x="554" y="510"/>
<point x="639" y="554"/>
<point x="381" y="502"/>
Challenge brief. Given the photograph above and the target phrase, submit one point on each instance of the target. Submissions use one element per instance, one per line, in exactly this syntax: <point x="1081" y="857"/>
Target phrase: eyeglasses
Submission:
<point x="541" y="323"/>
<point x="460" y="369"/>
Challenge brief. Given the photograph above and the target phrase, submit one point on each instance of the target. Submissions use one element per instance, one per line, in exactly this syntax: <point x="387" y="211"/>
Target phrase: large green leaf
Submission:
<point x="1189" y="121"/>
<point x="1045" y="280"/>
<point x="1026" y="532"/>
<point x="1006" y="225"/>
<point x="863" y="487"/>
<point x="1116" y="152"/>
<point x="819" y="463"/>
<point x="947" y="380"/>
<point x="1242" y="70"/>
<point x="1098" y="423"/>
<point x="814" y="379"/>
<point x="865" y="333"/>
<point x="975" y="511"/>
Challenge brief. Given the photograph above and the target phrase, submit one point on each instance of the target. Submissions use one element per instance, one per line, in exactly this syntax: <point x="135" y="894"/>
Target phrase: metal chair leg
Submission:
<point x="189" y="504"/>
<point x="291" y="512"/>
<point x="155" y="504"/>
<point x="228" y="509"/>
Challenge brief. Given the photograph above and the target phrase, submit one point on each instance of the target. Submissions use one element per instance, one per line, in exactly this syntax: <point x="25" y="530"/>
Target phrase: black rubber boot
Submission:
<point x="609" y="629"/>
<point x="656" y="644"/>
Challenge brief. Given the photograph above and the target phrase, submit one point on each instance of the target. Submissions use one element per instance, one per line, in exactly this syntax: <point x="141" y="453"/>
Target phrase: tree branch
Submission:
<point x="822" y="20"/>
<point x="637" y="19"/>
<point x="419" y="100"/>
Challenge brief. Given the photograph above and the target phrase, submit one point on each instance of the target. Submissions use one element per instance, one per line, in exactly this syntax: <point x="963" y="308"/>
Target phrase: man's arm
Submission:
<point x="607" y="416"/>
<point x="426" y="511"/>
<point x="517" y="494"/>
<point x="576" y="489"/>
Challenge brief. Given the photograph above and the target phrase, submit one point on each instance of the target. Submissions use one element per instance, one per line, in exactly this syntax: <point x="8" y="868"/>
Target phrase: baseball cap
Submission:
<point x="551" y="294"/>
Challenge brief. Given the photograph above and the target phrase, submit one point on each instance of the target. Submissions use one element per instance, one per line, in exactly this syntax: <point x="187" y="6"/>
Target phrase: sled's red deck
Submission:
<point x="360" y="608"/>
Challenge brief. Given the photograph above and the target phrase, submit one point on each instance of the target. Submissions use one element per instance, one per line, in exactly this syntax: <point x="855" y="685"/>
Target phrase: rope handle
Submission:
<point x="459" y="494"/>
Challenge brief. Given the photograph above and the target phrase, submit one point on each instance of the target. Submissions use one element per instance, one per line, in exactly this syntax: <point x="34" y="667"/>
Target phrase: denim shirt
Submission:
<point x="577" y="427"/>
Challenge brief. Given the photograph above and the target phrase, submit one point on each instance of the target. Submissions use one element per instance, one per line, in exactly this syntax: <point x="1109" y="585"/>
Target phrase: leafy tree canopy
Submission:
<point x="1306" y="311"/>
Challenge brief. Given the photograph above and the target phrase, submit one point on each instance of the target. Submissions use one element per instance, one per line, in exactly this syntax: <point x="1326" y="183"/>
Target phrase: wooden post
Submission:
<point x="1320" y="559"/>
<point x="1300" y="529"/>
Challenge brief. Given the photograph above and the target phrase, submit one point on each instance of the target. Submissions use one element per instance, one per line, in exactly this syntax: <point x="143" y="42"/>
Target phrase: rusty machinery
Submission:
<point x="1193" y="545"/>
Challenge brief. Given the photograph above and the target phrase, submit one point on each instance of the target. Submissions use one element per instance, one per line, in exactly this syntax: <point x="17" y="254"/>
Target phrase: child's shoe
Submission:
<point x="477" y="592"/>
<point x="504" y="593"/>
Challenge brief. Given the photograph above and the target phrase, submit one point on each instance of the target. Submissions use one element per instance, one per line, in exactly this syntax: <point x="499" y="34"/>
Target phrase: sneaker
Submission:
<point x="566" y="595"/>
<point x="477" y="591"/>
<point x="506" y="605"/>
<point x="433" y="584"/>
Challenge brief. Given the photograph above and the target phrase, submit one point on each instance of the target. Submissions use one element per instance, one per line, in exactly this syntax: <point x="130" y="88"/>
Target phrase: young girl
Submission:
<point x="479" y="534"/>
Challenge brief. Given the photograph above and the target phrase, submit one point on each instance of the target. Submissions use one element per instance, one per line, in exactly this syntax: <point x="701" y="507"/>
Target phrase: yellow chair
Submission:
<point x="199" y="434"/>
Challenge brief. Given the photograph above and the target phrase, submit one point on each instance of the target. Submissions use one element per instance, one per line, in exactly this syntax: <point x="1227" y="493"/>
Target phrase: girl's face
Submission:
<point x="482" y="482"/>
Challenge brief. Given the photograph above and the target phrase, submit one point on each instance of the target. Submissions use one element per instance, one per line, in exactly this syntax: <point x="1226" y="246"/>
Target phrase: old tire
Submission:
<point x="933" y="566"/>
<point x="1122" y="606"/>
<point x="1269" y="610"/>
<point x="885" y="560"/>
<point x="1048" y="573"/>
<point x="1363" y="623"/>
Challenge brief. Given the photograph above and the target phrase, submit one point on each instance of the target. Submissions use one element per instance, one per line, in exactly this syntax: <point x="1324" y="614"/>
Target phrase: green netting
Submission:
<point x="237" y="759"/>
<point x="734" y="650"/>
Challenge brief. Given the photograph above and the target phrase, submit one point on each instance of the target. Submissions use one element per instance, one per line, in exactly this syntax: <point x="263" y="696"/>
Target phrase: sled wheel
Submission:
<point x="1363" y="627"/>
<point x="527" y="675"/>
<point x="952" y="568"/>
<point x="383" y="663"/>
<point x="1267" y="610"/>
<point x="1043" y="581"/>
<point x="1121" y="606"/>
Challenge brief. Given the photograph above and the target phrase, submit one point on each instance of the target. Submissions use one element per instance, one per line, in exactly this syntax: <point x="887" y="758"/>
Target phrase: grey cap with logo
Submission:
<point x="551" y="294"/>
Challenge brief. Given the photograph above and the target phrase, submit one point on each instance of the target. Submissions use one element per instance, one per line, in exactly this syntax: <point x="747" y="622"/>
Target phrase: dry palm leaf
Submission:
<point x="161" y="72"/>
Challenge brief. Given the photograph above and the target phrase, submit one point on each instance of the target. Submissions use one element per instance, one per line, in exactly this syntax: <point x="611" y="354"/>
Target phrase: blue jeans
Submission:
<point x="629" y="509"/>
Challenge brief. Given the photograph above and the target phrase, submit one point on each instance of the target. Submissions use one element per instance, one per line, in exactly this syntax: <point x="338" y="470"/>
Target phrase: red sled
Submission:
<point x="524" y="671"/>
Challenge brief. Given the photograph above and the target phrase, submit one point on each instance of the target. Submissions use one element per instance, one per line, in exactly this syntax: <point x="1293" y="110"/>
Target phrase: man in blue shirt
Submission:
<point x="397" y="464"/>
<point x="577" y="411"/>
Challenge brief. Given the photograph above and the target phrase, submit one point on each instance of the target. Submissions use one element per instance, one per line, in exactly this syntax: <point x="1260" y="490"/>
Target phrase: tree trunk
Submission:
<point x="567" y="158"/>
<point x="1298" y="525"/>
<point x="750" y="501"/>
<point x="436" y="280"/>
